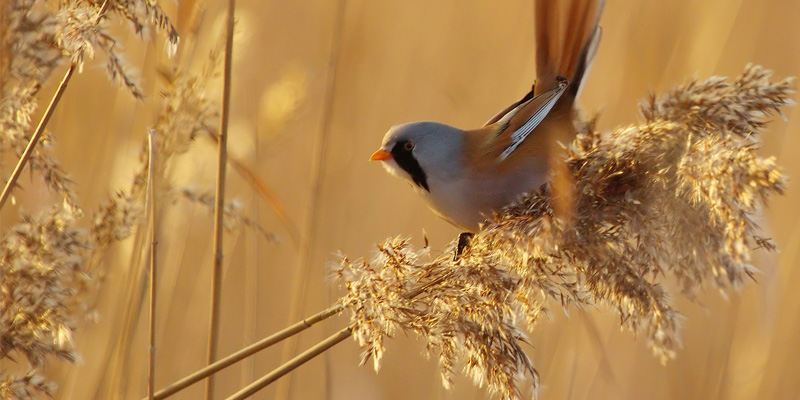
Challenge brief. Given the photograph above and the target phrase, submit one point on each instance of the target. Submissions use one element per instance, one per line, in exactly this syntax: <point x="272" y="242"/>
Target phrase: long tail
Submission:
<point x="566" y="52"/>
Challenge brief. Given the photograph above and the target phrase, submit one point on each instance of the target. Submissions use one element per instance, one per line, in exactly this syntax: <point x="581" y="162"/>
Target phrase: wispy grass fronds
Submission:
<point x="185" y="114"/>
<point x="35" y="38"/>
<point x="148" y="15"/>
<point x="81" y="29"/>
<point x="28" y="37"/>
<point x="26" y="387"/>
<point x="29" y="55"/>
<point x="671" y="199"/>
<point x="42" y="260"/>
<point x="234" y="215"/>
<point x="115" y="219"/>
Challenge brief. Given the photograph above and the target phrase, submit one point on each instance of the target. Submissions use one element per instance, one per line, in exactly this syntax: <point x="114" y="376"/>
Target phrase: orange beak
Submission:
<point x="380" y="155"/>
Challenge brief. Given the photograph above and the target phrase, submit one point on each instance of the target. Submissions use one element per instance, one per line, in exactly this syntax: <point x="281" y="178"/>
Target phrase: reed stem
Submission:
<point x="37" y="134"/>
<point x="292" y="364"/>
<point x="219" y="208"/>
<point x="246" y="352"/>
<point x="151" y="366"/>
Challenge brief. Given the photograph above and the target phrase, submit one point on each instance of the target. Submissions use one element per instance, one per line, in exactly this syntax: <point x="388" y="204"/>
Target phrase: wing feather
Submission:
<point x="562" y="60"/>
<point x="519" y="123"/>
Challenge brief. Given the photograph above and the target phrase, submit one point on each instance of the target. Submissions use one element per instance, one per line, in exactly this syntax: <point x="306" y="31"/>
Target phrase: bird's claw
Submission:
<point x="463" y="242"/>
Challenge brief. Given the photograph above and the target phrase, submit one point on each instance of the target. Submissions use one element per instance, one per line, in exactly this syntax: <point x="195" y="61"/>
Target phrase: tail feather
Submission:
<point x="548" y="43"/>
<point x="565" y="53"/>
<point x="585" y="62"/>
<point x="568" y="55"/>
<point x="580" y="21"/>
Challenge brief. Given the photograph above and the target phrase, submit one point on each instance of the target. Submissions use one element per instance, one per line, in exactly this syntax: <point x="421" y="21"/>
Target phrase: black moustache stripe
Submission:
<point x="405" y="159"/>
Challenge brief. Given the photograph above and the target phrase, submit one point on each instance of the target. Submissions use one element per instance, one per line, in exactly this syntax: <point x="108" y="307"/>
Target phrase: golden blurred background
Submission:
<point x="315" y="86"/>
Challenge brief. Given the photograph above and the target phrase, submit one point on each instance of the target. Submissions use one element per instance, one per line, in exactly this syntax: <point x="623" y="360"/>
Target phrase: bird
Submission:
<point x="465" y="175"/>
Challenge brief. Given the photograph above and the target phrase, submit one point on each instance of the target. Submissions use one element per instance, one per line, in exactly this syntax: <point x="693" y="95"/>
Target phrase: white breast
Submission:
<point x="468" y="200"/>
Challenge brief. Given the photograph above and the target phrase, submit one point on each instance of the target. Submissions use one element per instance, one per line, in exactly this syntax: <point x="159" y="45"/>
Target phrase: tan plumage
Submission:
<point x="553" y="60"/>
<point x="467" y="174"/>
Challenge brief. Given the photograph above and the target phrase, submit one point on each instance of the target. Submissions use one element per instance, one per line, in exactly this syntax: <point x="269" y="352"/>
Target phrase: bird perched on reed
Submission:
<point x="465" y="175"/>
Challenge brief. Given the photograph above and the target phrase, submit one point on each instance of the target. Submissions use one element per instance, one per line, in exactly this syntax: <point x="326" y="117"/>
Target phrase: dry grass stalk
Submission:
<point x="247" y="352"/>
<point x="151" y="195"/>
<point x="81" y="25"/>
<point x="219" y="206"/>
<point x="185" y="114"/>
<point x="290" y="365"/>
<point x="28" y="55"/>
<point x="275" y="338"/>
<point x="672" y="197"/>
<point x="34" y="140"/>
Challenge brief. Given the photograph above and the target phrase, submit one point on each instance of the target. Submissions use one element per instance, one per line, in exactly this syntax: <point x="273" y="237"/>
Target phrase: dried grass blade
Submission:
<point x="26" y="155"/>
<point x="219" y="209"/>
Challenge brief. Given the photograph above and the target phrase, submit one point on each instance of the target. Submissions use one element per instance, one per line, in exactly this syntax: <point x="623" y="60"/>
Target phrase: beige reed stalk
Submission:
<point x="277" y="337"/>
<point x="319" y="348"/>
<point x="37" y="134"/>
<point x="290" y="365"/>
<point x="151" y="188"/>
<point x="219" y="208"/>
<point x="262" y="344"/>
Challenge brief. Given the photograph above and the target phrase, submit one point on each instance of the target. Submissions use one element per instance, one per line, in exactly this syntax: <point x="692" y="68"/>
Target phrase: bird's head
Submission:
<point x="421" y="152"/>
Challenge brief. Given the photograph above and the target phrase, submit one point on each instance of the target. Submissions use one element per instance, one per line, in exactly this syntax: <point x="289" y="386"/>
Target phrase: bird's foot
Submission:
<point x="463" y="242"/>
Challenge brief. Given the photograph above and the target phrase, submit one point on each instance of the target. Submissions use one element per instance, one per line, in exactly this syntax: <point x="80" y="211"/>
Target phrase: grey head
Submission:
<point x="422" y="152"/>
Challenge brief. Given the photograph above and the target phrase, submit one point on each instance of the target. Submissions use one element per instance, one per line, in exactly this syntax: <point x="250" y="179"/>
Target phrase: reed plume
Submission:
<point x="671" y="199"/>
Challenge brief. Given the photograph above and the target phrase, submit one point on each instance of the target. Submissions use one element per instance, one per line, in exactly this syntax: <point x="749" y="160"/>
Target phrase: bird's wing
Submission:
<point x="510" y="108"/>
<point x="562" y="60"/>
<point x="514" y="127"/>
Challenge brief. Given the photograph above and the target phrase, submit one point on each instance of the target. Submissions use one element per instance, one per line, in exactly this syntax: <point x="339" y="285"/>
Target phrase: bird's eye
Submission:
<point x="408" y="146"/>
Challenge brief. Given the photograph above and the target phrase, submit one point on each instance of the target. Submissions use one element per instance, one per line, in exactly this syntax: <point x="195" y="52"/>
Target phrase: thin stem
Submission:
<point x="37" y="134"/>
<point x="271" y="340"/>
<point x="246" y="352"/>
<point x="318" y="349"/>
<point x="219" y="209"/>
<point x="26" y="155"/>
<point x="418" y="291"/>
<point x="151" y="370"/>
<point x="292" y="364"/>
